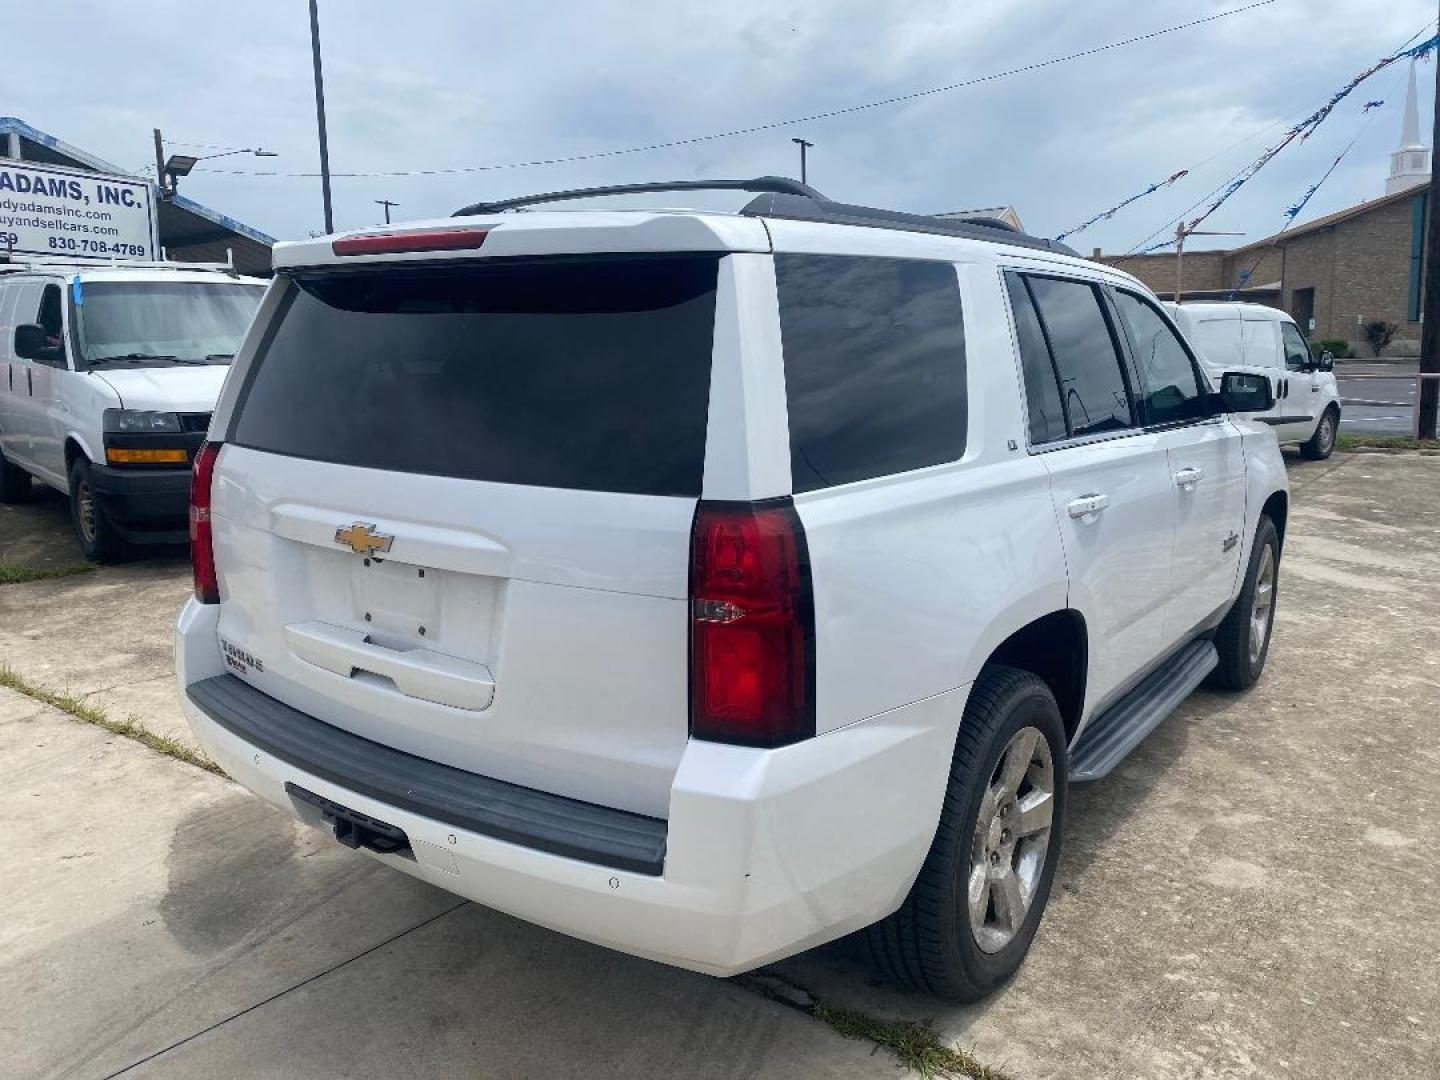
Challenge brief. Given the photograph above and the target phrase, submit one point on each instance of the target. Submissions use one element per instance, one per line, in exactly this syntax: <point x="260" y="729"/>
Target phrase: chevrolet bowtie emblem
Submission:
<point x="363" y="539"/>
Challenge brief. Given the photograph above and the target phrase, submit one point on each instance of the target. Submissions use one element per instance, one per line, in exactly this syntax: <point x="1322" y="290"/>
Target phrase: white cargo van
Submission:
<point x="108" y="375"/>
<point x="1265" y="340"/>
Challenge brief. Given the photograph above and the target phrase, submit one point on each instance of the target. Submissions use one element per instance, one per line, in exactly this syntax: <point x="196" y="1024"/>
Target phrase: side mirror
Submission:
<point x="1327" y="361"/>
<point x="32" y="343"/>
<point x="1245" y="392"/>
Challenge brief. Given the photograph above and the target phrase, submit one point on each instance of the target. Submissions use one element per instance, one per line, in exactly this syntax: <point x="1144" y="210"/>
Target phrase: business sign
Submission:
<point x="70" y="214"/>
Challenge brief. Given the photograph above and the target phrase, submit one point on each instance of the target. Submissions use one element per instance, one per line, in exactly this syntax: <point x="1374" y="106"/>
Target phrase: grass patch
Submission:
<point x="131" y="727"/>
<point x="1384" y="442"/>
<point x="15" y="575"/>
<point x="918" y="1046"/>
<point x="915" y="1043"/>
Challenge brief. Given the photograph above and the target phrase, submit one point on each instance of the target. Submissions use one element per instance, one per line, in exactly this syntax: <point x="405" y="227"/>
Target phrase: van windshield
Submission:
<point x="583" y="373"/>
<point x="163" y="322"/>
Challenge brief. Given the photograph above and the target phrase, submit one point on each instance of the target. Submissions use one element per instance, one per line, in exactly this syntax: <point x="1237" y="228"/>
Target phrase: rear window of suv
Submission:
<point x="874" y="366"/>
<point x="580" y="373"/>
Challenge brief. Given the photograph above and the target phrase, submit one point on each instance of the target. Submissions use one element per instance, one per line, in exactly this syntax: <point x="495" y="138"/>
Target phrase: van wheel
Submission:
<point x="1322" y="443"/>
<point x="1243" y="639"/>
<point x="98" y="539"/>
<point x="14" y="482"/>
<point x="970" y="917"/>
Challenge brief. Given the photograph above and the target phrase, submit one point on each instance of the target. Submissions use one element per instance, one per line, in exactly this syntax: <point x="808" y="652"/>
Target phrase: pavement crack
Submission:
<point x="130" y="682"/>
<point x="287" y="990"/>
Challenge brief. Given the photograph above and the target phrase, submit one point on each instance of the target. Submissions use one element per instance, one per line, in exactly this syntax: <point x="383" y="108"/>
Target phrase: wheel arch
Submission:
<point x="1056" y="648"/>
<point x="1277" y="509"/>
<point x="75" y="447"/>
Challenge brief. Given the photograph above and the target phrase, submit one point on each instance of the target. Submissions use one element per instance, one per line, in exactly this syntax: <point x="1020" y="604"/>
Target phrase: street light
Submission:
<point x="181" y="164"/>
<point x="804" y="145"/>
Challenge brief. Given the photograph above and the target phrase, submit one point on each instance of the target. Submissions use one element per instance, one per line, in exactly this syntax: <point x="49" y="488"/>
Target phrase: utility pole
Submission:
<point x="387" y="204"/>
<point x="160" y="162"/>
<point x="320" y="115"/>
<point x="803" y="147"/>
<point x="1430" y="329"/>
<point x="1181" y="232"/>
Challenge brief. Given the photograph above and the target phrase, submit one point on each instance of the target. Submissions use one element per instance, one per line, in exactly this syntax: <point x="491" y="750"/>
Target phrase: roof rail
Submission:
<point x="777" y="184"/>
<point x="42" y="262"/>
<point x="993" y="230"/>
<point x="782" y="197"/>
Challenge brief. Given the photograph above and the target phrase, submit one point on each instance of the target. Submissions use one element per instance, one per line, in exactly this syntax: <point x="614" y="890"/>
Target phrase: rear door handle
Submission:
<point x="1087" y="507"/>
<point x="1189" y="476"/>
<point x="417" y="673"/>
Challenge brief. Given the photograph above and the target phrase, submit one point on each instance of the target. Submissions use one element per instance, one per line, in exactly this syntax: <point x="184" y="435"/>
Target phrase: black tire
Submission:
<point x="14" y="482"/>
<point x="1240" y="665"/>
<point x="1322" y="443"/>
<point x="99" y="541"/>
<point x="929" y="943"/>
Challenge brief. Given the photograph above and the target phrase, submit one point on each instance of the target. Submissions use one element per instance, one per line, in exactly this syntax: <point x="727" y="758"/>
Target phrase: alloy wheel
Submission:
<point x="1262" y="604"/>
<point x="1011" y="838"/>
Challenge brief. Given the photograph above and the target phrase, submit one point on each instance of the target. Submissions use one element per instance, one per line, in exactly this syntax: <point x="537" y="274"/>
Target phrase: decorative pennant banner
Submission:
<point x="1303" y="130"/>
<point x="1121" y="205"/>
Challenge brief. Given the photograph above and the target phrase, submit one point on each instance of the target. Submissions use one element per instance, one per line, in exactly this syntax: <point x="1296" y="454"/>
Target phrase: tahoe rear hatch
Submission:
<point x="452" y="513"/>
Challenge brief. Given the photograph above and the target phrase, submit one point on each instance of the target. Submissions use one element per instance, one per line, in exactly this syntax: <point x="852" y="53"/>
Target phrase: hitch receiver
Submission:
<point x="352" y="828"/>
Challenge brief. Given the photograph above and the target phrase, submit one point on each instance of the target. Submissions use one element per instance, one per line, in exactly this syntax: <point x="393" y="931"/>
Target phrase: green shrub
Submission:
<point x="1339" y="348"/>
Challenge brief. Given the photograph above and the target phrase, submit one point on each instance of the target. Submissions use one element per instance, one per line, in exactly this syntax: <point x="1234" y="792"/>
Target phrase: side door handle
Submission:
<point x="30" y="381"/>
<point x="1188" y="477"/>
<point x="1087" y="508"/>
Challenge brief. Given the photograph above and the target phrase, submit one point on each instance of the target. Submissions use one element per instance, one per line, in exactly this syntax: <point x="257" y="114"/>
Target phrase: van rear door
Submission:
<point x="453" y="512"/>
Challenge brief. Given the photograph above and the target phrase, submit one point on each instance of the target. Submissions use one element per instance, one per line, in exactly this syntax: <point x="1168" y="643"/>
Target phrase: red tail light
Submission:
<point x="202" y="547"/>
<point x="428" y="240"/>
<point x="752" y="625"/>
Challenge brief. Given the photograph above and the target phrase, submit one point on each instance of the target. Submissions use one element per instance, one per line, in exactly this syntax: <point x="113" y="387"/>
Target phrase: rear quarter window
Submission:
<point x="874" y="366"/>
<point x="579" y="373"/>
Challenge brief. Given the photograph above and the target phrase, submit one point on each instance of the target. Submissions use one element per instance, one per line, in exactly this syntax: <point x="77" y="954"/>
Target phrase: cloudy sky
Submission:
<point x="452" y="84"/>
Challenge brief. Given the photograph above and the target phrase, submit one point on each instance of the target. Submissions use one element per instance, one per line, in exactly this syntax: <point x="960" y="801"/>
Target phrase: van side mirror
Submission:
<point x="32" y="343"/>
<point x="1327" y="361"/>
<point x="1245" y="392"/>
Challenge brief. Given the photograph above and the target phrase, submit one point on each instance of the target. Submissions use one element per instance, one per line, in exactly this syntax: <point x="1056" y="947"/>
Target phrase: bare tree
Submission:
<point x="1379" y="334"/>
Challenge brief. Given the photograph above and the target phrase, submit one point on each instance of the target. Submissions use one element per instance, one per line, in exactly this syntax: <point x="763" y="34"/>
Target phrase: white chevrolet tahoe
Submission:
<point x="1251" y="337"/>
<point x="710" y="586"/>
<point x="108" y="374"/>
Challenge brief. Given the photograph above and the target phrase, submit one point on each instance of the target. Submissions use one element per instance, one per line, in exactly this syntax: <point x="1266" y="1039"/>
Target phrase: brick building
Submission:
<point x="1332" y="274"/>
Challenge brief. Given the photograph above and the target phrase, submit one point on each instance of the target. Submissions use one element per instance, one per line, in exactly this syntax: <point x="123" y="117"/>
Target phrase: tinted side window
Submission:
<point x="874" y="366"/>
<point x="1092" y="384"/>
<point x="1297" y="353"/>
<point x="1042" y="392"/>
<point x="1172" y="391"/>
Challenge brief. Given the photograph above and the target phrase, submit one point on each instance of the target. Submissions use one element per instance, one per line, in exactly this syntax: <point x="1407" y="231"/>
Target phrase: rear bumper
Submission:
<point x="144" y="503"/>
<point x="767" y="853"/>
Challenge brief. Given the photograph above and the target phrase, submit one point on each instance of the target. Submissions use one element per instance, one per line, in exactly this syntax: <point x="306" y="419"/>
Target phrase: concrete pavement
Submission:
<point x="1251" y="894"/>
<point x="161" y="922"/>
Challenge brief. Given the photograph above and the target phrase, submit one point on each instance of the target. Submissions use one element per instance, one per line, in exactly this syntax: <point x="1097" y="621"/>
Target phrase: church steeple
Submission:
<point x="1409" y="165"/>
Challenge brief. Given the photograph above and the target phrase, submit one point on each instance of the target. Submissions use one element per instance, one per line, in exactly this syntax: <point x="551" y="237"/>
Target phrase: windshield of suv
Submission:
<point x="155" y="323"/>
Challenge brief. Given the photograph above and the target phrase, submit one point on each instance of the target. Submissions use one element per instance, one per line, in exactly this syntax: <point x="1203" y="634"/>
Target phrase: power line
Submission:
<point x="1135" y="248"/>
<point x="771" y="126"/>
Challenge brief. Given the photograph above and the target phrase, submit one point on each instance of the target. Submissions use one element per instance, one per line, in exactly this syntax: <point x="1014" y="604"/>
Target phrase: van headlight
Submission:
<point x="140" y="421"/>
